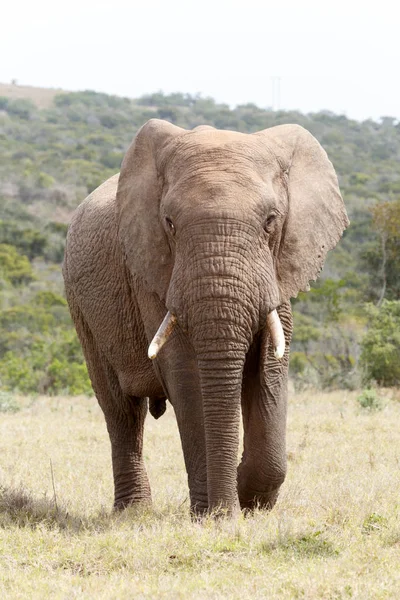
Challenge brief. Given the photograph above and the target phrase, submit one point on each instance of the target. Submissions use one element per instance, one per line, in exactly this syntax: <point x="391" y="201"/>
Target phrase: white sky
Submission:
<point x="337" y="55"/>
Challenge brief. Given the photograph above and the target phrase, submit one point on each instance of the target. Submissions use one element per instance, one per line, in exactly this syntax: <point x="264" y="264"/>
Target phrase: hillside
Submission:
<point x="58" y="147"/>
<point x="41" y="97"/>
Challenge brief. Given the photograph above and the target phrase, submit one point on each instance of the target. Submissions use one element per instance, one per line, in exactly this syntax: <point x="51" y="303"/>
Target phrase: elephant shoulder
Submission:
<point x="92" y="233"/>
<point x="98" y="207"/>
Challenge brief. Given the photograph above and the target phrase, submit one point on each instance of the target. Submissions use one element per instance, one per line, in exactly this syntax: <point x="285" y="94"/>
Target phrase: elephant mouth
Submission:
<point x="169" y="322"/>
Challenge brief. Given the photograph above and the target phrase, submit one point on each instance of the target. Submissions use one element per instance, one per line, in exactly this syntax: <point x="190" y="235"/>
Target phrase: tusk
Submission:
<point x="276" y="330"/>
<point x="163" y="333"/>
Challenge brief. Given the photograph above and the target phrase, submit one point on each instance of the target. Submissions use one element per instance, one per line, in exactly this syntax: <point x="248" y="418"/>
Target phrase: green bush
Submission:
<point x="49" y="299"/>
<point x="21" y="108"/>
<point x="50" y="367"/>
<point x="26" y="318"/>
<point x="323" y="352"/>
<point x="380" y="346"/>
<point x="30" y="242"/>
<point x="19" y="373"/>
<point x="68" y="377"/>
<point x="14" y="268"/>
<point x="39" y="349"/>
<point x="44" y="180"/>
<point x="298" y="362"/>
<point x="370" y="400"/>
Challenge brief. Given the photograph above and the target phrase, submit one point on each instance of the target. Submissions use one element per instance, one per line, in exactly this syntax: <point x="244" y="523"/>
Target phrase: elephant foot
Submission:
<point x="201" y="510"/>
<point x="264" y="501"/>
<point x="198" y="512"/>
<point x="198" y="505"/>
<point x="259" y="487"/>
<point x="128" y="492"/>
<point x="131" y="485"/>
<point x="122" y="503"/>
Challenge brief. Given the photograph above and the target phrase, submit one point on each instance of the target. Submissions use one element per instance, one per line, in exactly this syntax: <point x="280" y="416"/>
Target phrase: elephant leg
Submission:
<point x="177" y="371"/>
<point x="124" y="415"/>
<point x="125" y="426"/>
<point x="264" y="405"/>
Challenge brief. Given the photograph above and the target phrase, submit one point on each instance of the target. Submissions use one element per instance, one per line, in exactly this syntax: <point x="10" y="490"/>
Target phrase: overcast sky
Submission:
<point x="342" y="56"/>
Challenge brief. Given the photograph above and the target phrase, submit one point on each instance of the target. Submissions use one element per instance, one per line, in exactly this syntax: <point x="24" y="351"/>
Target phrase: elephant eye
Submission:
<point x="170" y="225"/>
<point x="269" y="222"/>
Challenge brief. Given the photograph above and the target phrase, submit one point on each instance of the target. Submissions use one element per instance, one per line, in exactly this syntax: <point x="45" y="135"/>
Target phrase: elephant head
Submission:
<point x="224" y="227"/>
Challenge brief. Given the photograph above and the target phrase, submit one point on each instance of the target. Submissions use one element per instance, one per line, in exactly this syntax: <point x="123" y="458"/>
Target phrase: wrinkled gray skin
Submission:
<point x="253" y="218"/>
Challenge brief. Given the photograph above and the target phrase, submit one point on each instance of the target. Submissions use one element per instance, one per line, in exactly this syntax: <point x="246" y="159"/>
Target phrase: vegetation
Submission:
<point x="370" y="400"/>
<point x="334" y="533"/>
<point x="53" y="157"/>
<point x="380" y="355"/>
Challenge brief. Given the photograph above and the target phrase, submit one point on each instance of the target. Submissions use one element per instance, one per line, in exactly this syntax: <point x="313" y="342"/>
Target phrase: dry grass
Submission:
<point x="42" y="97"/>
<point x="335" y="532"/>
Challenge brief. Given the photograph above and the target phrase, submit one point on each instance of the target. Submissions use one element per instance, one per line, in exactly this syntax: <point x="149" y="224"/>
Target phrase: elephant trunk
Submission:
<point x="220" y="363"/>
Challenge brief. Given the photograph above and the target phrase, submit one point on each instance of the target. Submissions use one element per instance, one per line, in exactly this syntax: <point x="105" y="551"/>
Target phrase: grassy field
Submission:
<point x="335" y="532"/>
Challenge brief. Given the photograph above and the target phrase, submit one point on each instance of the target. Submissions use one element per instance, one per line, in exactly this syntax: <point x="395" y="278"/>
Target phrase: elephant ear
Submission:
<point x="140" y="230"/>
<point x="316" y="215"/>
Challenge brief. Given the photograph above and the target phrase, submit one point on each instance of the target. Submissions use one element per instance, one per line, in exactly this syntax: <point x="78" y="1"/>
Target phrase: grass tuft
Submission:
<point x="21" y="508"/>
<point x="374" y="523"/>
<point x="306" y="545"/>
<point x="8" y="404"/>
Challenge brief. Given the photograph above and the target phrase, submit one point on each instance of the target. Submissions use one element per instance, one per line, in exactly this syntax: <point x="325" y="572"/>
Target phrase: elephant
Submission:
<point x="210" y="232"/>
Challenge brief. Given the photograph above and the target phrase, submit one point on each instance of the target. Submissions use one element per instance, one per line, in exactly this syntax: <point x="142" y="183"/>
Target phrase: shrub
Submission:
<point x="49" y="299"/>
<point x="48" y="368"/>
<point x="30" y="242"/>
<point x="44" y="180"/>
<point x="39" y="350"/>
<point x="370" y="400"/>
<point x="14" y="268"/>
<point x="298" y="362"/>
<point x="68" y="377"/>
<point x="8" y="403"/>
<point x="16" y="373"/>
<point x="21" y="108"/>
<point x="380" y="346"/>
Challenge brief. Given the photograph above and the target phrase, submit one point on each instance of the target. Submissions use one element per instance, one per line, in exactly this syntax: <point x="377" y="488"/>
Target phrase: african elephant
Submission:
<point x="217" y="229"/>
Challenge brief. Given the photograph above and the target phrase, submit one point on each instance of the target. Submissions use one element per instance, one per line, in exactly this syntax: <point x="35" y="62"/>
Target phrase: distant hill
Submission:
<point x="41" y="97"/>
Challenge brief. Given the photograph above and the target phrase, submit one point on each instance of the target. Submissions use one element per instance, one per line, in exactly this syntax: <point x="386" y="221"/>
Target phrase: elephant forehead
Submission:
<point x="201" y="199"/>
<point x="216" y="151"/>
